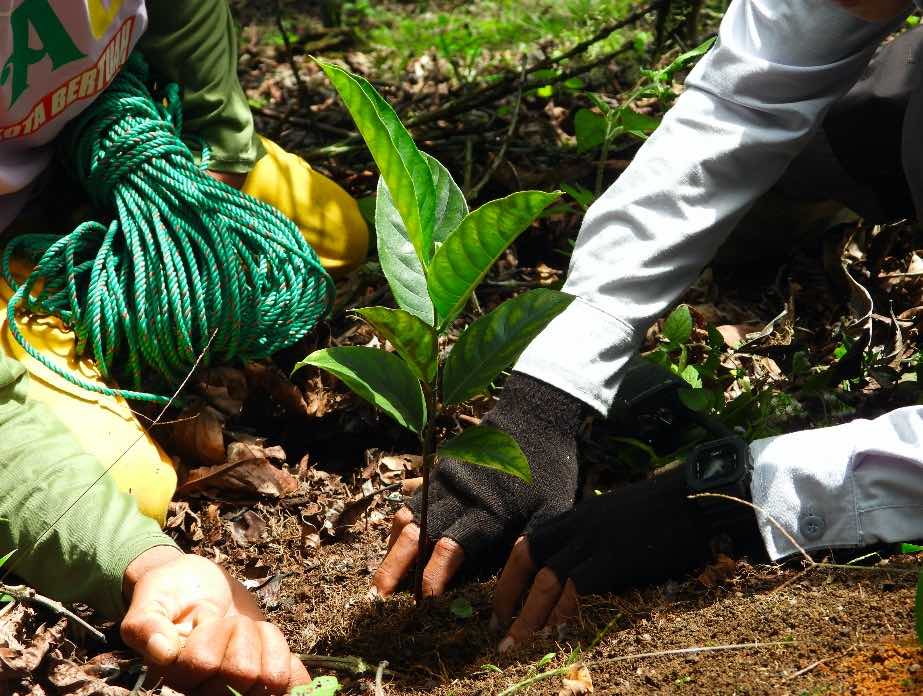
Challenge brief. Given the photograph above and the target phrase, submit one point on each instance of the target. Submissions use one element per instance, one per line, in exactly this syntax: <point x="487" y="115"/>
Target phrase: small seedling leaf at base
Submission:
<point x="461" y="608"/>
<point x="677" y="329"/>
<point x="399" y="260"/>
<point x="320" y="686"/>
<point x="379" y="377"/>
<point x="494" y="341"/>
<point x="401" y="164"/>
<point x="697" y="400"/>
<point x="590" y="129"/>
<point x="472" y="248"/>
<point x="488" y="447"/>
<point x="413" y="339"/>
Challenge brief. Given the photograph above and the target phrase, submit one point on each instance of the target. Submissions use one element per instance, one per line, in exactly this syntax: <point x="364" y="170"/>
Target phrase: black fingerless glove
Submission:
<point x="485" y="510"/>
<point x="643" y="533"/>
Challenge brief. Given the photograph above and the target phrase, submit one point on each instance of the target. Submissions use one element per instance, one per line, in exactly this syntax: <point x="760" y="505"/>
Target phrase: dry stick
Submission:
<point x="302" y="89"/>
<point x="21" y="593"/>
<point x="636" y="656"/>
<point x="501" y="156"/>
<point x="379" y="673"/>
<point x="144" y="433"/>
<point x="350" y="663"/>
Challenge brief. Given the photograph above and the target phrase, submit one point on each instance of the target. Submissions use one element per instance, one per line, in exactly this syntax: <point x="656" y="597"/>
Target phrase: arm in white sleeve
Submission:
<point x="748" y="108"/>
<point x="846" y="486"/>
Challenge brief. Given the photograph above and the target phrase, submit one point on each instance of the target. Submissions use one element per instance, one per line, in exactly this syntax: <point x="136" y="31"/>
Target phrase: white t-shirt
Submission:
<point x="56" y="56"/>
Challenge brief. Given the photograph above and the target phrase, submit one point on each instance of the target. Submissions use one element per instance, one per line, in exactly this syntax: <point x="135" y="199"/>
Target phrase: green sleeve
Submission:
<point x="194" y="43"/>
<point x="43" y="471"/>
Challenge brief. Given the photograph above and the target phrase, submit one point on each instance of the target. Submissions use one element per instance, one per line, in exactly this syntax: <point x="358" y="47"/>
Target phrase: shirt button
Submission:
<point x="811" y="525"/>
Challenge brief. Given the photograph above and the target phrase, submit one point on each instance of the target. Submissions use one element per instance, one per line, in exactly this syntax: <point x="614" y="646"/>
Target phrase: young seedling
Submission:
<point x="434" y="253"/>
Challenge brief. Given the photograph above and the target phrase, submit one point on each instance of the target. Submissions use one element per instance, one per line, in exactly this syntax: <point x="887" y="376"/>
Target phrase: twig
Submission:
<point x="807" y="669"/>
<point x="637" y="656"/>
<point x="21" y="593"/>
<point x="501" y="156"/>
<point x="379" y="673"/>
<point x="348" y="663"/>
<point x="496" y="90"/>
<point x="302" y="89"/>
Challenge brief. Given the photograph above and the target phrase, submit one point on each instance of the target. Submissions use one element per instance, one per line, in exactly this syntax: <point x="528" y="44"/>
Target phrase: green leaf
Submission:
<point x="692" y="376"/>
<point x="461" y="608"/>
<point x="637" y="124"/>
<point x="677" y="329"/>
<point x="494" y="341"/>
<point x="472" y="248"/>
<point x="379" y="377"/>
<point x="697" y="400"/>
<point x="414" y="339"/>
<point x="590" y="129"/>
<point x="399" y="260"/>
<point x="488" y="447"/>
<point x="6" y="557"/>
<point x="320" y="686"/>
<point x="401" y="164"/>
<point x="911" y="548"/>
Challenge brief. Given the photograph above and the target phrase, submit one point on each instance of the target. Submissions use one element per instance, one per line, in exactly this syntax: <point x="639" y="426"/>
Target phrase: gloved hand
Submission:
<point x="476" y="512"/>
<point x="643" y="533"/>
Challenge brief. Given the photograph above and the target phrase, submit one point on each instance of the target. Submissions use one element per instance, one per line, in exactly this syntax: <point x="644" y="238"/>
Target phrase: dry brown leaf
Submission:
<point x="246" y="471"/>
<point x="198" y="435"/>
<point x="718" y="572"/>
<point x="181" y="518"/>
<point x="266" y="377"/>
<point x="20" y="662"/>
<point x="577" y="682"/>
<point x="225" y="388"/>
<point x="248" y="528"/>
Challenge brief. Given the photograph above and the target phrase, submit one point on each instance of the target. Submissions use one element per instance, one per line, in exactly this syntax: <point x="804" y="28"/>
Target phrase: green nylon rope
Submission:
<point x="184" y="259"/>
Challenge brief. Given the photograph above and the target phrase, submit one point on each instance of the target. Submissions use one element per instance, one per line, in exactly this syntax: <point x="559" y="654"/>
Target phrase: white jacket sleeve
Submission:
<point x="846" y="486"/>
<point x="749" y="107"/>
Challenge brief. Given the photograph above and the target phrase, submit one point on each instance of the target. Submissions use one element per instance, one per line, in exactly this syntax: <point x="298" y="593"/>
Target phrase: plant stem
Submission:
<point x="428" y="457"/>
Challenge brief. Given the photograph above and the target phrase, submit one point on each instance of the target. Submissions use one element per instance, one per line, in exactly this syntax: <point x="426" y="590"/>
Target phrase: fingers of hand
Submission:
<point x="298" y="672"/>
<point x="148" y="629"/>
<point x="398" y="561"/>
<point x="513" y="583"/>
<point x="446" y="559"/>
<point x="276" y="672"/>
<point x="543" y="598"/>
<point x="567" y="609"/>
<point x="203" y="655"/>
<point x="240" y="666"/>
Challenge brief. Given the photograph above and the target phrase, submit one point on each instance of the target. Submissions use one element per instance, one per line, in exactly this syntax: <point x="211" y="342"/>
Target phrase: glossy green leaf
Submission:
<point x="677" y="328"/>
<point x="473" y="247"/>
<point x="692" y="376"/>
<point x="399" y="260"/>
<point x="637" y="124"/>
<point x="379" y="377"/>
<point x="494" y="341"/>
<point x="414" y="340"/>
<point x="905" y="548"/>
<point x="698" y="400"/>
<point x="590" y="129"/>
<point x="488" y="447"/>
<point x="401" y="164"/>
<point x="6" y="557"/>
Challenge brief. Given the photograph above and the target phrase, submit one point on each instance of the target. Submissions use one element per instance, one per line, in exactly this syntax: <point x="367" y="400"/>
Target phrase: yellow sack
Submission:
<point x="327" y="216"/>
<point x="103" y="425"/>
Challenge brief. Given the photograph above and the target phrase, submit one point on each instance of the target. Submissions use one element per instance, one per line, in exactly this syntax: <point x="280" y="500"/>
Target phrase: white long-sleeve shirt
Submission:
<point x="749" y="107"/>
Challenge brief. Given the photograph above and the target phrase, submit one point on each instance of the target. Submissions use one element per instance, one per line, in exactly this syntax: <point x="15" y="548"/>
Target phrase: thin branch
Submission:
<point x="349" y="663"/>
<point x="21" y="593"/>
<point x="379" y="673"/>
<point x="302" y="89"/>
<point x="501" y="156"/>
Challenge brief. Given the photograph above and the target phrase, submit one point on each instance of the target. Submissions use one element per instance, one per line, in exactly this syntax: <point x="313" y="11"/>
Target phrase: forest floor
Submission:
<point x="305" y="522"/>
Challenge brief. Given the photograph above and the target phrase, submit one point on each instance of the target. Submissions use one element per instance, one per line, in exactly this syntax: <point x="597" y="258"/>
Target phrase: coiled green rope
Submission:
<point x="186" y="260"/>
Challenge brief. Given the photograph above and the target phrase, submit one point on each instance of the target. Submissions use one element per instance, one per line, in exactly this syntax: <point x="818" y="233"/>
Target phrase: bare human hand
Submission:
<point x="199" y="629"/>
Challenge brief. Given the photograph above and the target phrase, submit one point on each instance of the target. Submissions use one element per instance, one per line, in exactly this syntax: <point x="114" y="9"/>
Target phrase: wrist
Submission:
<point x="154" y="557"/>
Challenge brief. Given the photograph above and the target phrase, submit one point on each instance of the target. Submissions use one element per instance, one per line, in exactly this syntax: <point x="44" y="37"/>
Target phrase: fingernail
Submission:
<point x="494" y="624"/>
<point x="507" y="644"/>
